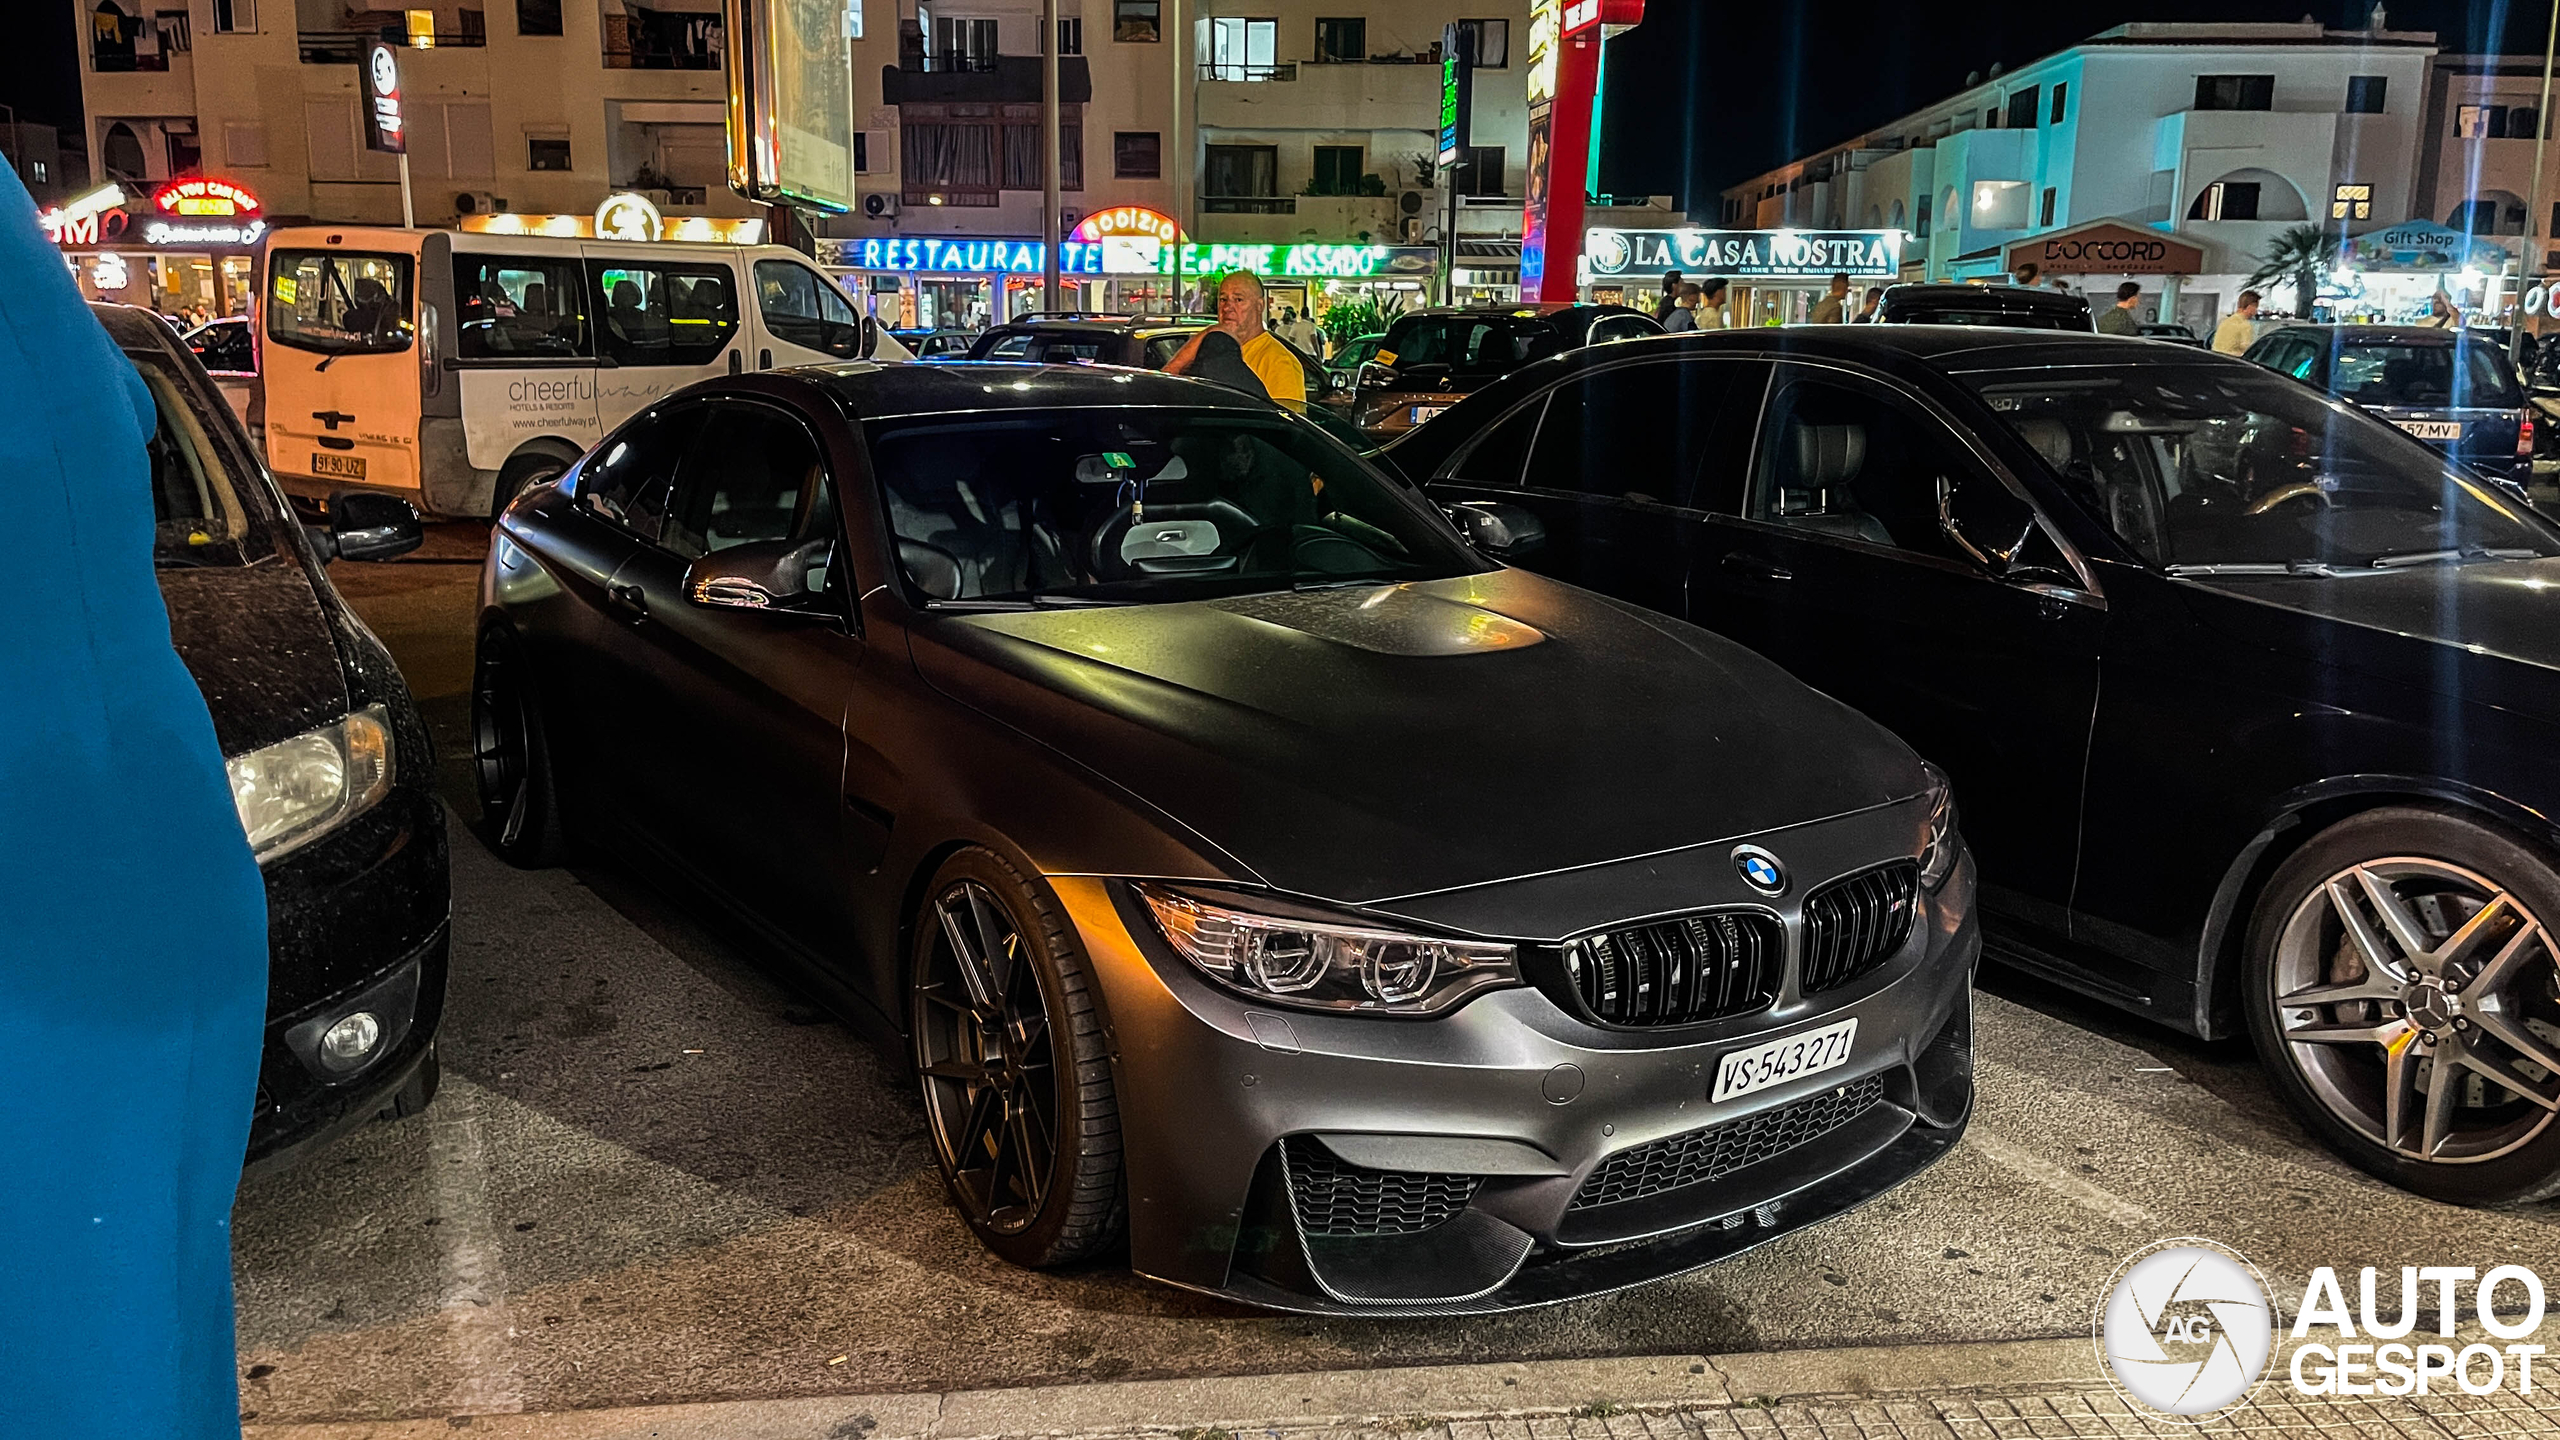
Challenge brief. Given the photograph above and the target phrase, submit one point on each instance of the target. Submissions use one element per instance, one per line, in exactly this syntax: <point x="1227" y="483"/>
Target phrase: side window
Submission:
<point x="518" y="307"/>
<point x="627" y="482"/>
<point x="660" y="314"/>
<point x="748" y="475"/>
<point x="1852" y="462"/>
<point x="1162" y="349"/>
<point x="1622" y="327"/>
<point x="801" y="307"/>
<point x="1011" y="347"/>
<point x="1647" y="431"/>
<point x="1495" y="458"/>
<point x="224" y="349"/>
<point x="1065" y="349"/>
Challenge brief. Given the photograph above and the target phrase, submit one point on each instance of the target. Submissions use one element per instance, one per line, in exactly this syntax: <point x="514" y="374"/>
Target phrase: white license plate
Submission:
<point x="1780" y="1061"/>
<point x="1425" y="412"/>
<point x="2432" y="429"/>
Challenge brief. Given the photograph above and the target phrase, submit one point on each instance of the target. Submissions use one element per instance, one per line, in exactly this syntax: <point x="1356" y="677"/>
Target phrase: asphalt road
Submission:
<point x="654" y="1174"/>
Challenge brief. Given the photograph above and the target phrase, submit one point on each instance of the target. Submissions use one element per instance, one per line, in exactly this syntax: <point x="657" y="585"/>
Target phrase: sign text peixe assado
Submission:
<point x="1746" y="254"/>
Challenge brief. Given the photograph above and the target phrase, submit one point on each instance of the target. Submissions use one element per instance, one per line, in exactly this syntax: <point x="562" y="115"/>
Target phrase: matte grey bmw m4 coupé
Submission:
<point x="1243" y="855"/>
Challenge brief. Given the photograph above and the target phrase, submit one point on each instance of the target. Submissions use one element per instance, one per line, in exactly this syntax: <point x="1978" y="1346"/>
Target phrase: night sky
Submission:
<point x="1706" y="92"/>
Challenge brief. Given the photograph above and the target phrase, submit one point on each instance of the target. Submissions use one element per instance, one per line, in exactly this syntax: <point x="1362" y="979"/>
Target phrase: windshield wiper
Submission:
<point x="2436" y="557"/>
<point x="2289" y="567"/>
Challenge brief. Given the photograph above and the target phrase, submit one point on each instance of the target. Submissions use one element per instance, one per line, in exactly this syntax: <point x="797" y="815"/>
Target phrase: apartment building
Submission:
<point x="2189" y="148"/>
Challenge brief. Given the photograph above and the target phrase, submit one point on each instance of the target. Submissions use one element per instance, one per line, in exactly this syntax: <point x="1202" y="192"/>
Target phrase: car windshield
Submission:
<point x="1468" y="344"/>
<point x="2421" y="376"/>
<point x="2204" y="466"/>
<point x="339" y="302"/>
<point x="1136" y="505"/>
<point x="200" y="516"/>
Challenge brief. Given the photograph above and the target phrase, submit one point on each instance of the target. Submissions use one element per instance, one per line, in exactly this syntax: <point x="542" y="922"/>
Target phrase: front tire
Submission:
<point x="519" y="475"/>
<point x="2400" y="984"/>
<point x="511" y="757"/>
<point x="1009" y="1053"/>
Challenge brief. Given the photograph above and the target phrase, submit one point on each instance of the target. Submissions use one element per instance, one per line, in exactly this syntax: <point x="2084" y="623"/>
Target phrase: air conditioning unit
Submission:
<point x="478" y="202"/>
<point x="1410" y="202"/>
<point x="1412" y="229"/>
<point x="879" y="207"/>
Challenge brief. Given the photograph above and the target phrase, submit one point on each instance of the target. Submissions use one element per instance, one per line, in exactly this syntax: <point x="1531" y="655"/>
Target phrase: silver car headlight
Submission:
<point x="1287" y="959"/>
<point x="1938" y="851"/>
<point x="295" y="791"/>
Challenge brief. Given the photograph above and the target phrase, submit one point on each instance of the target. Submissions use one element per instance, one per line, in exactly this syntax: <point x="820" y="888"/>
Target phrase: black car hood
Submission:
<point x="259" y="646"/>
<point x="1375" y="742"/>
<point x="2485" y="631"/>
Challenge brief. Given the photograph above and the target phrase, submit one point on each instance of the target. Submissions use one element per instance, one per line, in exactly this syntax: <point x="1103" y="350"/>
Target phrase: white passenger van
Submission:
<point x="454" y="369"/>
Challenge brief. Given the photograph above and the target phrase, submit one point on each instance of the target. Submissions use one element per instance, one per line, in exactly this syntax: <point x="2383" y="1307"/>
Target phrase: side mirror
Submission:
<point x="1997" y="560"/>
<point x="870" y="336"/>
<point x="1336" y="382"/>
<point x="1505" y="532"/>
<point x="1373" y="373"/>
<point x="759" y="575"/>
<point x="367" y="526"/>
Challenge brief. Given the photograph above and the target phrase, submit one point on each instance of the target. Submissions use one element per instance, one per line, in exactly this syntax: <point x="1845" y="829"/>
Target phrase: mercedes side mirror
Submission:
<point x="759" y="575"/>
<point x="1994" y="560"/>
<point x="1505" y="532"/>
<point x="1374" y="373"/>
<point x="367" y="526"/>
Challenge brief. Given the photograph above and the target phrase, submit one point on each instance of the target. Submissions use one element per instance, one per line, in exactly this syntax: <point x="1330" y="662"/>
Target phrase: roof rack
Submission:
<point x="1073" y="315"/>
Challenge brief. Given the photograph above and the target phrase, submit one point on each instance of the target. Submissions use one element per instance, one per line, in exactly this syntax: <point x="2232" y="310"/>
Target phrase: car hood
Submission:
<point x="1375" y="742"/>
<point x="2485" y="631"/>
<point x="259" y="647"/>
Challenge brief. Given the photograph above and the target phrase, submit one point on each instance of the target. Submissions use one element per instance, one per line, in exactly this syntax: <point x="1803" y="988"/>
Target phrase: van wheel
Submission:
<point x="511" y="758"/>
<point x="2400" y="986"/>
<point x="521" y="474"/>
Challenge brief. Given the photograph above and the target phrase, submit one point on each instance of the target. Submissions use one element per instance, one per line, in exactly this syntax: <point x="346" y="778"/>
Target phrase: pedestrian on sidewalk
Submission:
<point x="2118" y="318"/>
<point x="2239" y="329"/>
<point x="1241" y="309"/>
<point x="1832" y="308"/>
<point x="1713" y="313"/>
<point x="1684" y="312"/>
<point x="1867" y="307"/>
<point x="1671" y="285"/>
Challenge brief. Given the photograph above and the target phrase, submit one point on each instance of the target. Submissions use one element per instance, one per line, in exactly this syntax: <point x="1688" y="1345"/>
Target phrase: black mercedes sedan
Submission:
<point x="2251" y="699"/>
<point x="1243" y="859"/>
<point x="2454" y="391"/>
<point x="328" y="760"/>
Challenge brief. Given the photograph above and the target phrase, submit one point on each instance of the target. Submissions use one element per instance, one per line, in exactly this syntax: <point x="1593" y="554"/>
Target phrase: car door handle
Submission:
<point x="629" y="600"/>
<point x="1752" y="567"/>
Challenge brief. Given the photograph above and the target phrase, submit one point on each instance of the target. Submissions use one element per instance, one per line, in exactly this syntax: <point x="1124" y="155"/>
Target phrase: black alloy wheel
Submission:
<point x="1008" y="1050"/>
<point x="511" y="763"/>
<point x="2403" y="994"/>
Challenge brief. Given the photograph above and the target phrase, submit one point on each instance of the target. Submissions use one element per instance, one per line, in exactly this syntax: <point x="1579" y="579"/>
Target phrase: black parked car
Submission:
<point x="1240" y="855"/>
<point x="2457" y="393"/>
<point x="1431" y="358"/>
<point x="944" y="344"/>
<point x="2252" y="702"/>
<point x="329" y="761"/>
<point x="1139" y="342"/>
<point x="2016" y="307"/>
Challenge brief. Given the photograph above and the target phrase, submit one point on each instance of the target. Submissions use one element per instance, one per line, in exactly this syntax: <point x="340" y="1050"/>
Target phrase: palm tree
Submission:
<point x="2299" y="257"/>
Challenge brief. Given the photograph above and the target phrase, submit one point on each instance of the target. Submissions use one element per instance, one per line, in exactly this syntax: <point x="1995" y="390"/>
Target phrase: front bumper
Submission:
<point x="1486" y="1126"/>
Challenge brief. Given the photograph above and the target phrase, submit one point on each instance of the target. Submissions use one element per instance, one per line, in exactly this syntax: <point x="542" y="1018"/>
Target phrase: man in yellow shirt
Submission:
<point x="1241" y="312"/>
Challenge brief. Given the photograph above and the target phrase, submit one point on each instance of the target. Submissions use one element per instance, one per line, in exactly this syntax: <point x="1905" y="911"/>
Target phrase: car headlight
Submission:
<point x="1285" y="959"/>
<point x="295" y="791"/>
<point x="1938" y="850"/>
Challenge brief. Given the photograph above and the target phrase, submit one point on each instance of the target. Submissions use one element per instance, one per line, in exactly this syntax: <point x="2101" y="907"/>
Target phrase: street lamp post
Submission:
<point x="1051" y="157"/>
<point x="2530" y="268"/>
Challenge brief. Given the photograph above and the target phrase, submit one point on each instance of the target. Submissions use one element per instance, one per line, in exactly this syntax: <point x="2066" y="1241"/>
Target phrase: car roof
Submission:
<point x="2385" y="334"/>
<point x="876" y="390"/>
<point x="1940" y="347"/>
<point x="1530" y="309"/>
<point x="131" y="325"/>
<point x="2006" y="297"/>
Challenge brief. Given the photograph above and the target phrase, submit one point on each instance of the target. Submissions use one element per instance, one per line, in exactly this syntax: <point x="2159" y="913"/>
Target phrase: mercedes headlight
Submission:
<point x="1286" y="959"/>
<point x="1938" y="850"/>
<point x="295" y="791"/>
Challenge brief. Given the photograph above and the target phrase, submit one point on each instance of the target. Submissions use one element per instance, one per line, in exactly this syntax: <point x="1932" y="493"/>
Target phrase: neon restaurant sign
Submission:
<point x="200" y="210"/>
<point x="1745" y="254"/>
<point x="964" y="255"/>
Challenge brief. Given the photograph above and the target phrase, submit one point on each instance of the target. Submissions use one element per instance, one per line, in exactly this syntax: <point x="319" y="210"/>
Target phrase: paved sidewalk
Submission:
<point x="2015" y="1390"/>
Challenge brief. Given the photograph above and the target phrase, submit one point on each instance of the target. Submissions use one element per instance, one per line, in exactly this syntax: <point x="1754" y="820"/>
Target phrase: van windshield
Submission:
<point x="339" y="302"/>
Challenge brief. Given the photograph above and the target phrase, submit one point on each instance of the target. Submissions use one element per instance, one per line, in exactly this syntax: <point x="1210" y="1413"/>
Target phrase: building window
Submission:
<point x="1999" y="205"/>
<point x="1480" y="170"/>
<point x="1342" y="41"/>
<point x="2235" y="92"/>
<point x="1920" y="219"/>
<point x="2475" y="217"/>
<point x="2044" y="211"/>
<point x="2351" y="202"/>
<point x="2022" y="107"/>
<point x="546" y="154"/>
<point x="953" y="162"/>
<point x="962" y="44"/>
<point x="861" y="152"/>
<point x="1991" y="118"/>
<point x="1022" y="168"/>
<point x="1137" y="155"/>
<point x="1071" y="35"/>
<point x="1242" y="180"/>
<point x="1493" y="44"/>
<point x="1337" y="170"/>
<point x="235" y="17"/>
<point x="2226" y="200"/>
<point x="2365" y="93"/>
<point x="1137" y="20"/>
<point x="1242" y="49"/>
<point x="2494" y="122"/>
<point x="2061" y="88"/>
<point x="537" y="17"/>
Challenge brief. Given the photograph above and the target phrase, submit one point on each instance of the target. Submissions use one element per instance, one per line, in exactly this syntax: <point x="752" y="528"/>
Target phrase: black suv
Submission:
<point x="1432" y="358"/>
<point x="1141" y="342"/>
<point x="2456" y="393"/>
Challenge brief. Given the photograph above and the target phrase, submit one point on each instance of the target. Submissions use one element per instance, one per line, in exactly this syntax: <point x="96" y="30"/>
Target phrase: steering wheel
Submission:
<point x="2286" y="494"/>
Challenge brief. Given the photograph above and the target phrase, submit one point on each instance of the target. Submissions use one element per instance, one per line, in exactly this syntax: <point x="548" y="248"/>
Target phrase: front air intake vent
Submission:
<point x="1717" y="1151"/>
<point x="1677" y="972"/>
<point x="1336" y="1198"/>
<point x="1853" y="925"/>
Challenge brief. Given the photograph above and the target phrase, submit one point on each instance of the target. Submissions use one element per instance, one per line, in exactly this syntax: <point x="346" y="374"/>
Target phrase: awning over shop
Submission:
<point x="1488" y="254"/>
<point x="2107" y="247"/>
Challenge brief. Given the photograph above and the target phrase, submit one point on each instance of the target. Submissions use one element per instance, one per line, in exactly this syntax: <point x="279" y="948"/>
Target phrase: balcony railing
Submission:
<point x="1249" y="204"/>
<point x="915" y="63"/>
<point x="1228" y="70"/>
<point x="346" y="47"/>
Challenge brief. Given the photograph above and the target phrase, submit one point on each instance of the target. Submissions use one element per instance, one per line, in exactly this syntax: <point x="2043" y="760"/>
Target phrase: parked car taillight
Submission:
<point x="2524" y="433"/>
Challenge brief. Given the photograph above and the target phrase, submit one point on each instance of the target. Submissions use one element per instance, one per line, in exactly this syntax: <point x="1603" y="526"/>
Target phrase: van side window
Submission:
<point x="656" y="313"/>
<point x="519" y="307"/>
<point x="802" y="307"/>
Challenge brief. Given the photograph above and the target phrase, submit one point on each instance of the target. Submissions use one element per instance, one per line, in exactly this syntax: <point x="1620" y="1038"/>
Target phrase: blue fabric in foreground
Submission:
<point x="133" y="929"/>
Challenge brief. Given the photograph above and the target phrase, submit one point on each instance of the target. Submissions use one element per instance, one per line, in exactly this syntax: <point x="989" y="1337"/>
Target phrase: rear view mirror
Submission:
<point x="367" y="526"/>
<point x="1505" y="532"/>
<point x="759" y="575"/>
